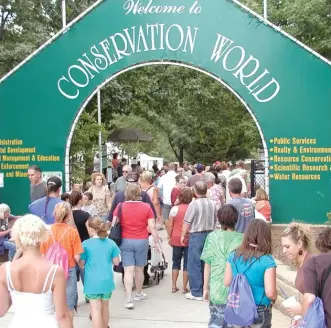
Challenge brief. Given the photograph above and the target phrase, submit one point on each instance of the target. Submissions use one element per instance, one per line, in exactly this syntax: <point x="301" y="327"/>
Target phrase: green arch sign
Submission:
<point x="285" y="86"/>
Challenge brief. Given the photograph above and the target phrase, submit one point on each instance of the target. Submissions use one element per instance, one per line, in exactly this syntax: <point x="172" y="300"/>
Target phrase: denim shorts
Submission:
<point x="166" y="211"/>
<point x="71" y="290"/>
<point x="217" y="317"/>
<point x="134" y="252"/>
<point x="177" y="254"/>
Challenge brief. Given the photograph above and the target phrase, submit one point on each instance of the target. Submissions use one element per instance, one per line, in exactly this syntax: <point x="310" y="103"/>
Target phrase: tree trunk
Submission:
<point x="181" y="156"/>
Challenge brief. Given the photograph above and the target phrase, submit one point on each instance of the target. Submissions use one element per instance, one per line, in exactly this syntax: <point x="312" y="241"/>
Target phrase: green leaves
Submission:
<point x="187" y="110"/>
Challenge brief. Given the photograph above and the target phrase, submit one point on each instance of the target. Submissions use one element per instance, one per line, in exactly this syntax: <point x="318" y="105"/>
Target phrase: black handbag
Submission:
<point x="116" y="231"/>
<point x="118" y="268"/>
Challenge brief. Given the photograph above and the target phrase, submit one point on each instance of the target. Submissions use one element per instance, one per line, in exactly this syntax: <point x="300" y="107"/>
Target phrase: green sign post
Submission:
<point x="285" y="86"/>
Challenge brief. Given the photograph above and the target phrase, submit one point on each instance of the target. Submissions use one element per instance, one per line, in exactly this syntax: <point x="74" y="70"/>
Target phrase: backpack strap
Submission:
<point x="54" y="241"/>
<point x="63" y="234"/>
<point x="251" y="264"/>
<point x="150" y="187"/>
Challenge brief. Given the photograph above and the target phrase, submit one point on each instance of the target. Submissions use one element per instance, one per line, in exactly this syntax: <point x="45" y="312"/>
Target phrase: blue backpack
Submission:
<point x="315" y="317"/>
<point x="240" y="308"/>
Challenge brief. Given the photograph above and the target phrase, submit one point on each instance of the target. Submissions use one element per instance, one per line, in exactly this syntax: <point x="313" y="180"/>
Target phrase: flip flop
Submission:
<point x="175" y="290"/>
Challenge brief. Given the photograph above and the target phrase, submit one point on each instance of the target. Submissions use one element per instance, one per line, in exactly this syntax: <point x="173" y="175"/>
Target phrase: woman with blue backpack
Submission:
<point x="251" y="274"/>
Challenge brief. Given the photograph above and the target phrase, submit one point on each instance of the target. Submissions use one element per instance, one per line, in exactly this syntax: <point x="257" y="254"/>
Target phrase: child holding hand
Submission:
<point x="100" y="254"/>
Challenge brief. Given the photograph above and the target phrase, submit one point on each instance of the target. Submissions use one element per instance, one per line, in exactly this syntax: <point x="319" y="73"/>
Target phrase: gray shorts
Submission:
<point x="166" y="211"/>
<point x="134" y="252"/>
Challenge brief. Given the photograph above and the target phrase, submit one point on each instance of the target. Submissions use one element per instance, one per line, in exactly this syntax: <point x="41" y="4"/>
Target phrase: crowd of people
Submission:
<point x="218" y="235"/>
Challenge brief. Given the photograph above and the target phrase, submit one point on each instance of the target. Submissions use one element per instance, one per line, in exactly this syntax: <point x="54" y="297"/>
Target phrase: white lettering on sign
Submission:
<point x="138" y="7"/>
<point x="150" y="37"/>
<point x="246" y="69"/>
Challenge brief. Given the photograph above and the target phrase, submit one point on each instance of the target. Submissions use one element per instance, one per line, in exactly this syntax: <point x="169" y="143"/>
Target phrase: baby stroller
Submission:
<point x="157" y="261"/>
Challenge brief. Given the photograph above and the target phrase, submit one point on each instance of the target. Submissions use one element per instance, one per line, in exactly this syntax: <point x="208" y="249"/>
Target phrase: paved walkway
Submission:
<point x="162" y="309"/>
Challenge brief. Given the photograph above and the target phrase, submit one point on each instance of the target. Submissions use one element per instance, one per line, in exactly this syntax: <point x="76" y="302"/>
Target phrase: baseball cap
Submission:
<point x="132" y="177"/>
<point x="200" y="167"/>
<point x="54" y="181"/>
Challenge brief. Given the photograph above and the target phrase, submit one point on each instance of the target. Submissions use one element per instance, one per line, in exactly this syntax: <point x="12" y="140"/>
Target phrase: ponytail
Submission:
<point x="99" y="226"/>
<point x="48" y="191"/>
<point x="61" y="212"/>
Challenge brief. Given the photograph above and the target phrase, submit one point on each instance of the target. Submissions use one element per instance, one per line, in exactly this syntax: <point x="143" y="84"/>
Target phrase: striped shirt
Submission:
<point x="201" y="215"/>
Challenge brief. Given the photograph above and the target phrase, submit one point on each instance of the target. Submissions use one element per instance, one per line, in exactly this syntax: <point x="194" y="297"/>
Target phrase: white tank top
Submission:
<point x="28" y="305"/>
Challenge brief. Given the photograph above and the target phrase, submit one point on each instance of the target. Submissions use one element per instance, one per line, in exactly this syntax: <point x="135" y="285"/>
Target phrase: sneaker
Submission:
<point x="140" y="297"/>
<point x="129" y="304"/>
<point x="189" y="296"/>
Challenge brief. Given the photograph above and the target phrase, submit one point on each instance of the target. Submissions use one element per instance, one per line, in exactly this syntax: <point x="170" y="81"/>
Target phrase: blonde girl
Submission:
<point x="62" y="232"/>
<point x="35" y="288"/>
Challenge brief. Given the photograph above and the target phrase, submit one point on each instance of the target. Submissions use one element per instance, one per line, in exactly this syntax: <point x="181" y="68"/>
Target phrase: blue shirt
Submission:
<point x="246" y="212"/>
<point x="38" y="207"/>
<point x="254" y="274"/>
<point x="98" y="256"/>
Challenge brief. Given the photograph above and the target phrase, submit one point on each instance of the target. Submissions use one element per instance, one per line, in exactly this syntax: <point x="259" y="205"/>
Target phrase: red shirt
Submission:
<point x="178" y="225"/>
<point x="174" y="195"/>
<point x="134" y="219"/>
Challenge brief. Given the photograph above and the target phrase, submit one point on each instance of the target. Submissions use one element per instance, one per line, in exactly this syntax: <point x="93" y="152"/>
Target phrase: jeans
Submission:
<point x="177" y="254"/>
<point x="264" y="319"/>
<point x="217" y="317"/>
<point x="11" y="248"/>
<point x="194" y="265"/>
<point x="71" y="289"/>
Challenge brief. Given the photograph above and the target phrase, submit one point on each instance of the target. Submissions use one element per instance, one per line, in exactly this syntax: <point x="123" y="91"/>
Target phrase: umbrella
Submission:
<point x="128" y="135"/>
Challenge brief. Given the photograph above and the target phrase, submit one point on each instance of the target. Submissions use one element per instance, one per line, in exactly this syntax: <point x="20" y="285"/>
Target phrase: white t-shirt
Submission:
<point x="244" y="188"/>
<point x="167" y="183"/>
<point x="174" y="211"/>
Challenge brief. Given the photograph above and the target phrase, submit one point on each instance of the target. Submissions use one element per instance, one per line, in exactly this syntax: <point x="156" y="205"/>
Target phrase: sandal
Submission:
<point x="90" y="316"/>
<point x="175" y="290"/>
<point x="185" y="290"/>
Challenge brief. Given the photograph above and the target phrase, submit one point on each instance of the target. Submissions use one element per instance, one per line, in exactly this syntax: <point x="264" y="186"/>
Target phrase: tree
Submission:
<point x="187" y="106"/>
<point x="84" y="145"/>
<point x="307" y="20"/>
